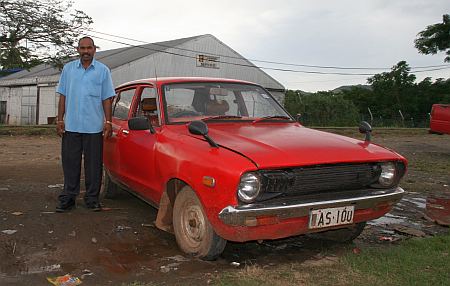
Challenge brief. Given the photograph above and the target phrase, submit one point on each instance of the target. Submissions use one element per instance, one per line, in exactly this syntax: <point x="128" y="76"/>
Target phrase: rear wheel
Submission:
<point x="109" y="189"/>
<point x="193" y="232"/>
<point x="435" y="132"/>
<point x="341" y="235"/>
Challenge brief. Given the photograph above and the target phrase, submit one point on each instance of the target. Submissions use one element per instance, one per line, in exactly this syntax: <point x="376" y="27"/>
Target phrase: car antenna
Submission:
<point x="152" y="129"/>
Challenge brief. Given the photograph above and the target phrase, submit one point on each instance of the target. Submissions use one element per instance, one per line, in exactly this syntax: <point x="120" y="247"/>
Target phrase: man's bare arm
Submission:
<point x="60" y="126"/>
<point x="107" y="109"/>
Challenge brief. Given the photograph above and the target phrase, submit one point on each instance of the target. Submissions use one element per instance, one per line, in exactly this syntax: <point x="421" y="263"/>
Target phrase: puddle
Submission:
<point x="121" y="258"/>
<point x="388" y="219"/>
<point x="21" y="268"/>
<point x="438" y="208"/>
<point x="42" y="269"/>
<point x="418" y="202"/>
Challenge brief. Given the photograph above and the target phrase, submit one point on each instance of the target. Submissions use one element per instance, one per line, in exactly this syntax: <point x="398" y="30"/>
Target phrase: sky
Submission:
<point x="345" y="33"/>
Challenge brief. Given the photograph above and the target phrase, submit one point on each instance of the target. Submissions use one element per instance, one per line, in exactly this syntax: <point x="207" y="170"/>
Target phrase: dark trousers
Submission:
<point x="74" y="145"/>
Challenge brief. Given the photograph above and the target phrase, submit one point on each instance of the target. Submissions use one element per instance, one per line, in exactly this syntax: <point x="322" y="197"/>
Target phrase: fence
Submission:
<point x="400" y="120"/>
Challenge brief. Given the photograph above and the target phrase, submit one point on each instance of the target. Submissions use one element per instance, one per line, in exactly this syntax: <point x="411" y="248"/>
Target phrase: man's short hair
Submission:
<point x="86" y="37"/>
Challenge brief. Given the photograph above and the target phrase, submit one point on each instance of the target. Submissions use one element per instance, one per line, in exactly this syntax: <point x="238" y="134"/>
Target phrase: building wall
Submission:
<point x="21" y="94"/>
<point x="169" y="64"/>
<point x="5" y="97"/>
<point x="28" y="104"/>
<point x="48" y="104"/>
<point x="21" y="108"/>
<point x="13" y="98"/>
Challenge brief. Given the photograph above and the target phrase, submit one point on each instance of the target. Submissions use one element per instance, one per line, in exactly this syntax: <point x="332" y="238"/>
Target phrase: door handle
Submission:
<point x="124" y="131"/>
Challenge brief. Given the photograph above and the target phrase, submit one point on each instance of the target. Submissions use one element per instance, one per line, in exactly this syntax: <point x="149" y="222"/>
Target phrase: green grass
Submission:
<point x="136" y="283"/>
<point x="376" y="131"/>
<point x="322" y="274"/>
<point x="27" y="130"/>
<point x="440" y="165"/>
<point x="414" y="262"/>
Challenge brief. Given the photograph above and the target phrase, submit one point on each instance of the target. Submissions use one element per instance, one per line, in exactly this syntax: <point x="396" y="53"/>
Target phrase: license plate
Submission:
<point x="331" y="217"/>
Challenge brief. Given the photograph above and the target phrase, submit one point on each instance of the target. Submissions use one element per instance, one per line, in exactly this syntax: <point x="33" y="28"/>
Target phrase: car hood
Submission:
<point x="271" y="145"/>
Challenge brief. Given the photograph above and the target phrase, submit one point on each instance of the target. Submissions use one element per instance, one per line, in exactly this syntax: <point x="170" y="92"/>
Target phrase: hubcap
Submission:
<point x="194" y="223"/>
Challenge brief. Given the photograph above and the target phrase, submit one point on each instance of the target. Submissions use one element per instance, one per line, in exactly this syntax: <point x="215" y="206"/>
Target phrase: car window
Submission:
<point x="179" y="100"/>
<point x="148" y="106"/>
<point x="259" y="104"/>
<point x="229" y="101"/>
<point x="123" y="103"/>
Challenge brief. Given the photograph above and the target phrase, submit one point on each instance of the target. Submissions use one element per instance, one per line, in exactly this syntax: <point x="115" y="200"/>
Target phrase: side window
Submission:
<point x="148" y="106"/>
<point x="123" y="103"/>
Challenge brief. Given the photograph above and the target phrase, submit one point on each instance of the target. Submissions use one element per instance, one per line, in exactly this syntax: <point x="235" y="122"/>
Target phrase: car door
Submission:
<point x="137" y="147"/>
<point x="120" y="113"/>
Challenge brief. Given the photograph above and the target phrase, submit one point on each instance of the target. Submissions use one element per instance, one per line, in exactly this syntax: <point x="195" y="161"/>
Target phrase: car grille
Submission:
<point x="323" y="178"/>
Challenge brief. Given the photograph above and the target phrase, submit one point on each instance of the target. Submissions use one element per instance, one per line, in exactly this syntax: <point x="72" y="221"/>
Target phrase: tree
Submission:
<point x="435" y="38"/>
<point x="392" y="89"/>
<point x="363" y="98"/>
<point x="322" y="108"/>
<point x="398" y="77"/>
<point x="37" y="31"/>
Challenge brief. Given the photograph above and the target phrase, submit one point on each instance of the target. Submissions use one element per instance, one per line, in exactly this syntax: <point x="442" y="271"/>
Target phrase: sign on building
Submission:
<point x="206" y="61"/>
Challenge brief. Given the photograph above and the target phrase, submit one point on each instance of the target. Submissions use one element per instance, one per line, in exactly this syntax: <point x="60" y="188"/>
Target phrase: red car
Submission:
<point x="222" y="160"/>
<point x="440" y="119"/>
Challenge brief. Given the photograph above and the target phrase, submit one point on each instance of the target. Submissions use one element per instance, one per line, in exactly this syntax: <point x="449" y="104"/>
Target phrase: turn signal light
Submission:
<point x="209" y="181"/>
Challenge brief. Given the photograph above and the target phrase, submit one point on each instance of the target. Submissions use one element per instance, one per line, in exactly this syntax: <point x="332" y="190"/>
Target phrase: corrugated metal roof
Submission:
<point x="111" y="58"/>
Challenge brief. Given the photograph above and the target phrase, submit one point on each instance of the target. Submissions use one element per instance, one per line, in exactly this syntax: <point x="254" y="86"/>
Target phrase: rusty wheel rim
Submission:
<point x="193" y="224"/>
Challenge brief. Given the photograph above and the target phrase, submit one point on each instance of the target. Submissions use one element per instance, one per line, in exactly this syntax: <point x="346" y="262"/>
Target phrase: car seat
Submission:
<point x="150" y="110"/>
<point x="217" y="107"/>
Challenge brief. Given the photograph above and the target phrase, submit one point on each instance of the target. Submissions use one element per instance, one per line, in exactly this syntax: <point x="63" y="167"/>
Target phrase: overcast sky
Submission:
<point x="344" y="33"/>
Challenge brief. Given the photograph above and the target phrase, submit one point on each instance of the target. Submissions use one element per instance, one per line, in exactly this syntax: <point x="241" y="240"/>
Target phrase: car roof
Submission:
<point x="165" y="80"/>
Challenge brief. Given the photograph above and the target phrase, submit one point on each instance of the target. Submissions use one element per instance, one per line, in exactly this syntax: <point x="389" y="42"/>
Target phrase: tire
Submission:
<point x="193" y="232"/>
<point x="343" y="235"/>
<point x="435" y="132"/>
<point x="109" y="189"/>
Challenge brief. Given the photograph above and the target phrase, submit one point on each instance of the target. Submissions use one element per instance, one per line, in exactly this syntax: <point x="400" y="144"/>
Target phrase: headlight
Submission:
<point x="249" y="187"/>
<point x="387" y="176"/>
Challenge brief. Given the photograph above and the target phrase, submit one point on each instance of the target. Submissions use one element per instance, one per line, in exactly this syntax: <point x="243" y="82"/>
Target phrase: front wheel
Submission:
<point x="193" y="232"/>
<point x="342" y="235"/>
<point x="109" y="189"/>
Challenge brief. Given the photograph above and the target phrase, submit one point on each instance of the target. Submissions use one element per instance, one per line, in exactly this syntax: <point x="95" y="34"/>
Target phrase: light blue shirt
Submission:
<point x="85" y="89"/>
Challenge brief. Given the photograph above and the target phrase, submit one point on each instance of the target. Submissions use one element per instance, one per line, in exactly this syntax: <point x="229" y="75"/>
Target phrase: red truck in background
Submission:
<point x="440" y="119"/>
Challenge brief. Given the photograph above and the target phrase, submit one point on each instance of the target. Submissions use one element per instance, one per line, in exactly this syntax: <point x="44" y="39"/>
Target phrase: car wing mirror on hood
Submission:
<point x="200" y="128"/>
<point x="365" y="128"/>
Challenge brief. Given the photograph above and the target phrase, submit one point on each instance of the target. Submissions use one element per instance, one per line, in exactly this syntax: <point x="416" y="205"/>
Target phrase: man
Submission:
<point x="84" y="119"/>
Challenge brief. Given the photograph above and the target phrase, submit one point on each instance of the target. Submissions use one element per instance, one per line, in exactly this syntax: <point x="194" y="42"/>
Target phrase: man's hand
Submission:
<point x="107" y="130"/>
<point x="60" y="128"/>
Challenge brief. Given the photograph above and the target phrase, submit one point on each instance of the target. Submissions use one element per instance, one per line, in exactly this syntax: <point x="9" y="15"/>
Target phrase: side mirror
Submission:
<point x="298" y="117"/>
<point x="365" y="128"/>
<point x="140" y="123"/>
<point x="200" y="128"/>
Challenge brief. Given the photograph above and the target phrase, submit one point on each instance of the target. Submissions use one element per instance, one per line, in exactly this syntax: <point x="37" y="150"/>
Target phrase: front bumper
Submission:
<point x="247" y="215"/>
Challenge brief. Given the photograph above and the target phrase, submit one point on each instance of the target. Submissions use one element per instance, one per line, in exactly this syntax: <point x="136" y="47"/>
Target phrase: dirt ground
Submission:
<point x="120" y="244"/>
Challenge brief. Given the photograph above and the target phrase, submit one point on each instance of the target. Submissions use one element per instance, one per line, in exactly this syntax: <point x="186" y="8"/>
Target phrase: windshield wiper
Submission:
<point x="219" y="117"/>
<point x="282" y="117"/>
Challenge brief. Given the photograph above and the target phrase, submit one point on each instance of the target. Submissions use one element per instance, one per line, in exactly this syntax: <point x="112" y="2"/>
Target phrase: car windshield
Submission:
<point x="212" y="101"/>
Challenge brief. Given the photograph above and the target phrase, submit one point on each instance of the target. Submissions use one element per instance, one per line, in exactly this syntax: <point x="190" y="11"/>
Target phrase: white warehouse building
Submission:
<point x="29" y="97"/>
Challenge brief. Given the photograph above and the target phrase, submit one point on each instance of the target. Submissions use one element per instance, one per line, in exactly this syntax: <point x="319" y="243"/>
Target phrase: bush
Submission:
<point x="323" y="109"/>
